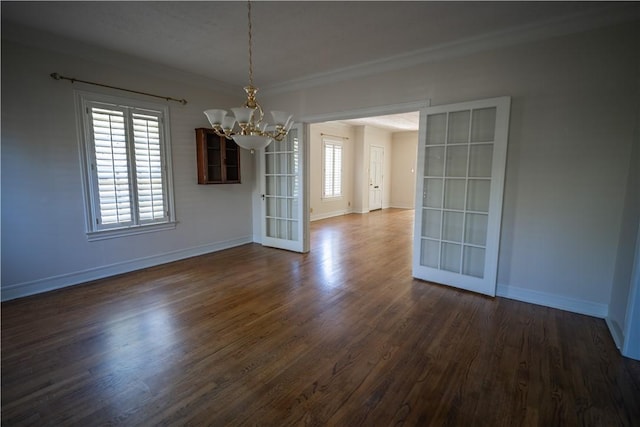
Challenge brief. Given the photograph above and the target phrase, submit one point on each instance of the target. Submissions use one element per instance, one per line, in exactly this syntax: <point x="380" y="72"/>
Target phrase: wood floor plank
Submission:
<point x="340" y="336"/>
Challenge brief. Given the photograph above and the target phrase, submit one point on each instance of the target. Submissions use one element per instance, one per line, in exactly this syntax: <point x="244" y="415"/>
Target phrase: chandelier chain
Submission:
<point x="250" y="43"/>
<point x="253" y="133"/>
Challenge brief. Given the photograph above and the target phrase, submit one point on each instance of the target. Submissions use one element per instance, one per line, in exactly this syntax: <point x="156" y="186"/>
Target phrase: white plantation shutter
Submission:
<point x="148" y="163"/>
<point x="332" y="169"/>
<point x="111" y="166"/>
<point x="127" y="173"/>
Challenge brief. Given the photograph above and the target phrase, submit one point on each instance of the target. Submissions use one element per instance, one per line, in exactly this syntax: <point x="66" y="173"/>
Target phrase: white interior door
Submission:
<point x="376" y="164"/>
<point x="460" y="180"/>
<point x="284" y="223"/>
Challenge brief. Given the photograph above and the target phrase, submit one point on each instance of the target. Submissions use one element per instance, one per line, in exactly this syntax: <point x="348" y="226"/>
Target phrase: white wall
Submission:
<point x="403" y="169"/>
<point x="44" y="244"/>
<point x="574" y="100"/>
<point x="325" y="208"/>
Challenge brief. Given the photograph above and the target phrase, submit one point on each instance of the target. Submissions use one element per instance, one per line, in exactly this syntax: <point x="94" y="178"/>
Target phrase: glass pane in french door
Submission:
<point x="456" y="190"/>
<point x="282" y="188"/>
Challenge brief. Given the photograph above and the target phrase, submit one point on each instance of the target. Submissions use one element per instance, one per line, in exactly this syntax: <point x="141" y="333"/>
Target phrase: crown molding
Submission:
<point x="592" y="19"/>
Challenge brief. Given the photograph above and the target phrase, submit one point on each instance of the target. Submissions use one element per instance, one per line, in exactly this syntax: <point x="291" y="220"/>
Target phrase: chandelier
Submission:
<point x="246" y="126"/>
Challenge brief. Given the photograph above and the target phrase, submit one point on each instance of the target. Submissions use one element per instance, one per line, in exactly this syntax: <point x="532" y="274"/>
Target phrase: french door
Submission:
<point x="460" y="180"/>
<point x="284" y="223"/>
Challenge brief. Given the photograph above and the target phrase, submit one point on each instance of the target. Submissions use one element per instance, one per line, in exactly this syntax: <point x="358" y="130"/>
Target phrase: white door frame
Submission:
<point x="631" y="345"/>
<point x="406" y="107"/>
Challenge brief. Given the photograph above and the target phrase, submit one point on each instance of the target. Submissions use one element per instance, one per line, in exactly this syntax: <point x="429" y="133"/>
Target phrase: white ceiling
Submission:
<point x="297" y="42"/>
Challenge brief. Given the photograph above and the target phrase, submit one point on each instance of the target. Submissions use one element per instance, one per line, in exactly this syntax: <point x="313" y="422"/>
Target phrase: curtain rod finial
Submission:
<point x="55" y="76"/>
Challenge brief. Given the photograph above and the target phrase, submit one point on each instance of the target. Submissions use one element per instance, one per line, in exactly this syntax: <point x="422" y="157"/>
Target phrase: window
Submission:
<point x="332" y="170"/>
<point x="126" y="164"/>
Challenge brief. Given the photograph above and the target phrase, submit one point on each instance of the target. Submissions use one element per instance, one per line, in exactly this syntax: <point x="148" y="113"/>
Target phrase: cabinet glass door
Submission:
<point x="214" y="156"/>
<point x="461" y="165"/>
<point x="231" y="164"/>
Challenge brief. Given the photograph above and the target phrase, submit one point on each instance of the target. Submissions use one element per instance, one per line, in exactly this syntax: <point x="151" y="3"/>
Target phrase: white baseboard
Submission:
<point x="574" y="305"/>
<point x="24" y="289"/>
<point x="402" y="205"/>
<point x="615" y="331"/>
<point x="316" y="217"/>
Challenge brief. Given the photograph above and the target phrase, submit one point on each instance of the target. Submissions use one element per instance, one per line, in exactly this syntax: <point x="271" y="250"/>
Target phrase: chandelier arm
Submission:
<point x="277" y="135"/>
<point x="220" y="132"/>
<point x="261" y="111"/>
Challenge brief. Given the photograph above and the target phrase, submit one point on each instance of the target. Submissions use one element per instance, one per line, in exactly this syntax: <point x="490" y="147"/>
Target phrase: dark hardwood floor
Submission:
<point x="340" y="336"/>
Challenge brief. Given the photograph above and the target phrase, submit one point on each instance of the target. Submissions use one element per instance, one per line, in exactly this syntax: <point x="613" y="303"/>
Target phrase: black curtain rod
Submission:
<point x="57" y="76"/>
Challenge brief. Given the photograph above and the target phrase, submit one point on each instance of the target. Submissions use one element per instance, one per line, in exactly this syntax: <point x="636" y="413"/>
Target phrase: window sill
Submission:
<point x="129" y="231"/>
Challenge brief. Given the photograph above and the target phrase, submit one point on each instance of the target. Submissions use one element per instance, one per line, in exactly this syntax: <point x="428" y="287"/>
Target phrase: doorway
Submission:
<point x="379" y="156"/>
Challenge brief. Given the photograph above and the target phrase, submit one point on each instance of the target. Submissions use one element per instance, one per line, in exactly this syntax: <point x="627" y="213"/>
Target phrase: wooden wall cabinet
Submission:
<point x="218" y="158"/>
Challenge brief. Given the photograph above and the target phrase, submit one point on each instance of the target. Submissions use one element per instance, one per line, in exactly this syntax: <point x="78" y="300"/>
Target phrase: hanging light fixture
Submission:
<point x="246" y="126"/>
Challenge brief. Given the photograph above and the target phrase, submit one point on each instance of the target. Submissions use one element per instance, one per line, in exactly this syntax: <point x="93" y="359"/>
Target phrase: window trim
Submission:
<point x="83" y="101"/>
<point x="325" y="143"/>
